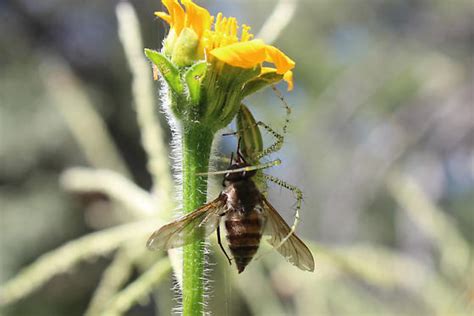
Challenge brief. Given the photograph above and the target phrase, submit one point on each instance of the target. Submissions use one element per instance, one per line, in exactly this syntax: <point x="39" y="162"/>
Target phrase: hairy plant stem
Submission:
<point x="197" y="143"/>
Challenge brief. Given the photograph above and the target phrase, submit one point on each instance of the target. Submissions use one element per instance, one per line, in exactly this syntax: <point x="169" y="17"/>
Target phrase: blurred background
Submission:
<point x="381" y="142"/>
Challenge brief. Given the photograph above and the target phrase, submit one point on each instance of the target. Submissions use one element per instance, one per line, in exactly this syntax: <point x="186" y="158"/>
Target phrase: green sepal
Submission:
<point x="251" y="142"/>
<point x="261" y="82"/>
<point x="194" y="77"/>
<point x="169" y="72"/>
<point x="248" y="75"/>
<point x="233" y="93"/>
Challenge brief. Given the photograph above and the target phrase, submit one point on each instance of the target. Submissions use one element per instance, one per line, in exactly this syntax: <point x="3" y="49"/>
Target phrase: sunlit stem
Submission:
<point x="197" y="143"/>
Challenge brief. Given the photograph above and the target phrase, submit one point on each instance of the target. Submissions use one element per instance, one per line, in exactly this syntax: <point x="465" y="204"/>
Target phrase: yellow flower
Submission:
<point x="216" y="39"/>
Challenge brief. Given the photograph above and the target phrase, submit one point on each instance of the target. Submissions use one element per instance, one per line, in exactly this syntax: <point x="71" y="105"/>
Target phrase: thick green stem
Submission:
<point x="197" y="143"/>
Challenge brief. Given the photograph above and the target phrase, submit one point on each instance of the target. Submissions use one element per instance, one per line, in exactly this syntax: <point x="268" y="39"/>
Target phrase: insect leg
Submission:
<point x="231" y="160"/>
<point x="230" y="164"/>
<point x="220" y="244"/>
<point x="299" y="199"/>
<point x="231" y="134"/>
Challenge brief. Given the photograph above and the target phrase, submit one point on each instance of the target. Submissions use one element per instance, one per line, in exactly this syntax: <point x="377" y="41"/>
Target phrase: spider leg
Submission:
<point x="246" y="169"/>
<point x="299" y="199"/>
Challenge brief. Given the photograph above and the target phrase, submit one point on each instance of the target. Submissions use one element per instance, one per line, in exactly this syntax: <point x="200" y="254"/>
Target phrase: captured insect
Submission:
<point x="247" y="216"/>
<point x="242" y="206"/>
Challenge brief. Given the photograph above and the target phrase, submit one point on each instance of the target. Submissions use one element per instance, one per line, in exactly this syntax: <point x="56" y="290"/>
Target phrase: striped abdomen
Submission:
<point x="244" y="231"/>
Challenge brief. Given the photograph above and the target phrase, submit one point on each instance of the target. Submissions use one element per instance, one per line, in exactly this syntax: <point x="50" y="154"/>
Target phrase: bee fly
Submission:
<point x="247" y="216"/>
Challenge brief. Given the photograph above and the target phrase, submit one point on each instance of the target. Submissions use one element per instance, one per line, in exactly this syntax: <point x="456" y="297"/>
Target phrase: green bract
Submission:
<point x="203" y="93"/>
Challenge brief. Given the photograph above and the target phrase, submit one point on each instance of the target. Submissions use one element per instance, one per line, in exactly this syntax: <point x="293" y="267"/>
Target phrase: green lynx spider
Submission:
<point x="251" y="147"/>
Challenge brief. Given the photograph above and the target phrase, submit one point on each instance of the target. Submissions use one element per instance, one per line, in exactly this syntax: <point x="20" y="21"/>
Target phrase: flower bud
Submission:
<point x="185" y="48"/>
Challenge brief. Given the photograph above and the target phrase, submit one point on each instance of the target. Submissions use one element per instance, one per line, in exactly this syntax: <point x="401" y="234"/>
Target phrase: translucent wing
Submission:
<point x="185" y="229"/>
<point x="294" y="250"/>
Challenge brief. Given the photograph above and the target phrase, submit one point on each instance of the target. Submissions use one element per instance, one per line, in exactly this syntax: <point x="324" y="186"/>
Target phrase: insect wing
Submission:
<point x="186" y="229"/>
<point x="294" y="250"/>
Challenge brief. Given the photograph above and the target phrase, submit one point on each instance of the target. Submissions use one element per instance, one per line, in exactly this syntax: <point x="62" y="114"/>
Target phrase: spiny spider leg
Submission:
<point x="279" y="138"/>
<point x="273" y="148"/>
<point x="287" y="108"/>
<point x="299" y="199"/>
<point x="276" y="146"/>
<point x="248" y="168"/>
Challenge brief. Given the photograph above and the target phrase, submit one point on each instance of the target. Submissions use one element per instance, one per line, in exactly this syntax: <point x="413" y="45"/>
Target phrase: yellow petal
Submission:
<point x="177" y="14"/>
<point x="288" y="77"/>
<point x="266" y="70"/>
<point x="164" y="16"/>
<point x="242" y="54"/>
<point x="252" y="53"/>
<point x="282" y="62"/>
<point x="198" y="18"/>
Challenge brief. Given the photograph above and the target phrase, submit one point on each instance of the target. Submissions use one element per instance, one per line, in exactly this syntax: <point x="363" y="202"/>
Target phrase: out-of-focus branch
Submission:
<point x="142" y="86"/>
<point x="138" y="289"/>
<point x="85" y="123"/>
<point x="139" y="202"/>
<point x="262" y="299"/>
<point x="114" y="277"/>
<point x="455" y="251"/>
<point x="115" y="186"/>
<point x="152" y="134"/>
<point x="365" y="261"/>
<point x="65" y="257"/>
<point x="384" y="268"/>
<point x="278" y="20"/>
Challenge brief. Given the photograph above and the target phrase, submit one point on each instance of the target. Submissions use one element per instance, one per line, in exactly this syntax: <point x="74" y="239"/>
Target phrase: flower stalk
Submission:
<point x="207" y="68"/>
<point x="197" y="143"/>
